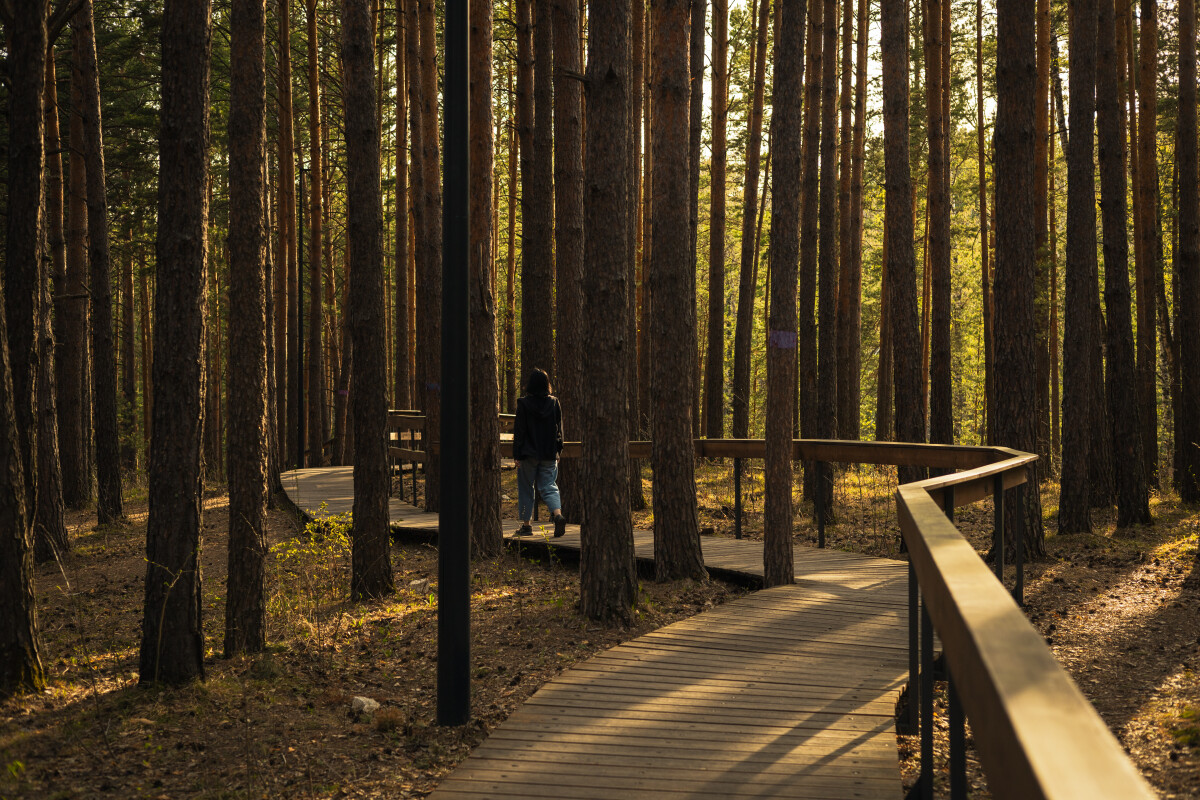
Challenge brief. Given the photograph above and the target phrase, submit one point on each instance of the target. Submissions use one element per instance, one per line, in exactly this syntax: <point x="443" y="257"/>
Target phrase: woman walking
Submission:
<point x="537" y="441"/>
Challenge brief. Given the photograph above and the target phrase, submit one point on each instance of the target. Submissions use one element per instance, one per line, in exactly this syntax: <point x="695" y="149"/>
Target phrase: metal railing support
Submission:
<point x="926" y="779"/>
<point x="958" y="741"/>
<point x="914" y="668"/>
<point x="998" y="534"/>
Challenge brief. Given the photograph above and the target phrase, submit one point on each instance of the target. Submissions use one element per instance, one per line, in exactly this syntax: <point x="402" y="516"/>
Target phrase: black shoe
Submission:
<point x="525" y="530"/>
<point x="560" y="525"/>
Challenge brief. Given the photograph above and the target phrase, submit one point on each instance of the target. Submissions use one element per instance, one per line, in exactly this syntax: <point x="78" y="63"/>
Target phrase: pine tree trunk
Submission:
<point x="1050" y="467"/>
<point x="1133" y="500"/>
<point x="487" y="538"/>
<point x="49" y="528"/>
<point x="245" y="605"/>
<point x="1078" y="415"/>
<point x="416" y="175"/>
<point x="510" y="301"/>
<point x="847" y="417"/>
<point x="128" y="404"/>
<point x="568" y="235"/>
<point x="941" y="397"/>
<point x="537" y="217"/>
<point x="989" y="381"/>
<point x="370" y="560"/>
<point x="401" y="377"/>
<point x="901" y="261"/>
<point x="316" y="360"/>
<point x="854" y="288"/>
<point x="104" y="366"/>
<point x="714" y="370"/>
<point x="1147" y="357"/>
<point x="827" y="289"/>
<point x="672" y="294"/>
<point x="806" y="320"/>
<point x="172" y="647"/>
<point x="746" y="283"/>
<point x="20" y="662"/>
<point x="285" y="281"/>
<point x="371" y="566"/>
<point x="635" y="218"/>
<point x="71" y="317"/>
<point x="1041" y="135"/>
<point x="778" y="520"/>
<point x="431" y="273"/>
<point x="608" y="586"/>
<point x="1187" y="300"/>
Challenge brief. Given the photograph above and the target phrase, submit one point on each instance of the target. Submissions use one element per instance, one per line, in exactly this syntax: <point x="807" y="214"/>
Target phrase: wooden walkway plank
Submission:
<point x="787" y="693"/>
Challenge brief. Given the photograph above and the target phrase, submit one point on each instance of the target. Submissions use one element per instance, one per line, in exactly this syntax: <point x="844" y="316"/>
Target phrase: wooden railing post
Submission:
<point x="737" y="498"/>
<point x="819" y="501"/>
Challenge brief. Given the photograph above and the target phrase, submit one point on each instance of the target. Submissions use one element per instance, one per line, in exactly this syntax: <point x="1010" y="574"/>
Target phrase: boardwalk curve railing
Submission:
<point x="1036" y="735"/>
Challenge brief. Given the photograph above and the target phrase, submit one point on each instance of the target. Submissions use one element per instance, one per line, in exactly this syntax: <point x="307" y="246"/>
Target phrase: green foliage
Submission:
<point x="310" y="577"/>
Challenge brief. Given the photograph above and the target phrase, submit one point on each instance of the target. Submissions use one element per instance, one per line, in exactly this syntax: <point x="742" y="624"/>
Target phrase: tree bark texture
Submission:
<point x="1187" y="300"/>
<point x="20" y="661"/>
<point x="71" y="316"/>
<point x="901" y="261"/>
<point x="49" y="528"/>
<point x="25" y="230"/>
<point x="245" y="606"/>
<point x="510" y="285"/>
<point x="714" y="368"/>
<point x="1150" y="265"/>
<point x="1078" y="415"/>
<point x="431" y="272"/>
<point x="487" y="538"/>
<point x="568" y="236"/>
<point x="806" y="320"/>
<point x="1041" y="135"/>
<point x="827" y="256"/>
<point x="699" y="11"/>
<point x="1015" y="334"/>
<point x="635" y="222"/>
<point x="537" y="245"/>
<point x="316" y="322"/>
<point x="285" y="318"/>
<point x="104" y="365"/>
<point x="778" y="520"/>
<point x="371" y="566"/>
<point x="128" y="406"/>
<point x="402" y="375"/>
<point x="989" y="380"/>
<point x="941" y="396"/>
<point x="672" y="305"/>
<point x="847" y="414"/>
<point x="853" y="289"/>
<point x="1133" y="500"/>
<point x="746" y="283"/>
<point x="172" y="648"/>
<point x="608" y="585"/>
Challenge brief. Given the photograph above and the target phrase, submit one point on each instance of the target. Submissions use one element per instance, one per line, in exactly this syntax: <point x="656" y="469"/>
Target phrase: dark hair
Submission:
<point x="538" y="383"/>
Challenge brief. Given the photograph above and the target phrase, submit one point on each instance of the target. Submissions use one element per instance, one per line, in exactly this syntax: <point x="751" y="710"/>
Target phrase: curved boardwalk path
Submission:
<point x="789" y="692"/>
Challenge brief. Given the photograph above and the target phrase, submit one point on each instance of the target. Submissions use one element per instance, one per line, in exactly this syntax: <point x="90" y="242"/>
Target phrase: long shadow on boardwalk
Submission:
<point x="789" y="692"/>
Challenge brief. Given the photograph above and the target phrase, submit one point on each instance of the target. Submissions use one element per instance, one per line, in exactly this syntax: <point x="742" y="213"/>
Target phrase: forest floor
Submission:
<point x="1119" y="610"/>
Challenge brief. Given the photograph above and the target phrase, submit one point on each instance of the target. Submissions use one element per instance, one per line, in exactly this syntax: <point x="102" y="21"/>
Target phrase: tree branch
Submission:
<point x="60" y="18"/>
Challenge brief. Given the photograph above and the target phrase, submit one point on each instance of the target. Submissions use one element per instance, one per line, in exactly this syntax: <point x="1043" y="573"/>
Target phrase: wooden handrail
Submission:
<point x="1037" y="736"/>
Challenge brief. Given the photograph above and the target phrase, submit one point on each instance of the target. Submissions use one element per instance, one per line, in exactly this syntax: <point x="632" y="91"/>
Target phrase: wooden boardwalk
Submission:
<point x="789" y="692"/>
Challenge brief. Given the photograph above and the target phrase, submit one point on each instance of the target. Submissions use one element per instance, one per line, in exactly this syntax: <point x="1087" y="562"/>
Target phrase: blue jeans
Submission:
<point x="532" y="473"/>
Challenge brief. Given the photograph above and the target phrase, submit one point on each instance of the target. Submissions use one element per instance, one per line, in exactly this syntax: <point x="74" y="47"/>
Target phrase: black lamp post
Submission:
<point x="454" y="540"/>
